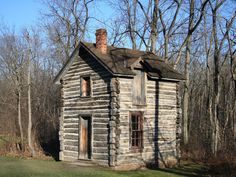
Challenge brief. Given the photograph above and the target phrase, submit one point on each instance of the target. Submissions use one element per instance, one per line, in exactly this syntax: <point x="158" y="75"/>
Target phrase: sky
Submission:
<point x="19" y="13"/>
<point x="25" y="13"/>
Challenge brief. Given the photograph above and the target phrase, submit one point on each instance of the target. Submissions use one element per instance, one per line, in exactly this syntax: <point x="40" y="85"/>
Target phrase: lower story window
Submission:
<point x="136" y="130"/>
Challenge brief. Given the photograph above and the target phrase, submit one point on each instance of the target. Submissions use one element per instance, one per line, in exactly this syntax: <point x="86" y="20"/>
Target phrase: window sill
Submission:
<point x="136" y="149"/>
<point x="86" y="97"/>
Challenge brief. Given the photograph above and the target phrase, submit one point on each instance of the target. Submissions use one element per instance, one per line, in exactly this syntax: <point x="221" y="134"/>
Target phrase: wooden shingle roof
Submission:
<point x="119" y="61"/>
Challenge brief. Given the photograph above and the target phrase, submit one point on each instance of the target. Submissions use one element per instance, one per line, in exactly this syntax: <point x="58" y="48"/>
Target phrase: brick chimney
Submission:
<point x="101" y="40"/>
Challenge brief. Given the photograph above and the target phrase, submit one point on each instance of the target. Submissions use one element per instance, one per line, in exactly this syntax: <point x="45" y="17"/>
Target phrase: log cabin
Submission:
<point x="120" y="107"/>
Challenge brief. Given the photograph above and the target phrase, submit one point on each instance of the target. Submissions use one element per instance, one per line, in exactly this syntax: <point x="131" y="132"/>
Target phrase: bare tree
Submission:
<point x="186" y="73"/>
<point x="13" y="60"/>
<point x="28" y="55"/>
<point x="190" y="32"/>
<point x="168" y="31"/>
<point x="218" y="45"/>
<point x="66" y="23"/>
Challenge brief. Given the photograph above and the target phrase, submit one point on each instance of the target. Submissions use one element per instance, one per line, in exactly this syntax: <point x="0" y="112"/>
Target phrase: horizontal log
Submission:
<point x="101" y="144"/>
<point x="99" y="137"/>
<point x="71" y="148"/>
<point x="71" y="125"/>
<point x="78" y="64"/>
<point x="100" y="156"/>
<point x="173" y="84"/>
<point x="78" y="69"/>
<point x="100" y="131"/>
<point x="71" y="137"/>
<point x="71" y="115"/>
<point x="71" y="143"/>
<point x="70" y="85"/>
<point x="73" y="93"/>
<point x="72" y="88"/>
<point x="100" y="150"/>
<point x="100" y="120"/>
<point x="87" y="112"/>
<point x="161" y="92"/>
<point x="101" y="115"/>
<point x="101" y="94"/>
<point x="100" y="87"/>
<point x="88" y="104"/>
<point x="151" y="86"/>
<point x="70" y="153"/>
<point x="83" y="108"/>
<point x="72" y="130"/>
<point x="73" y="120"/>
<point x="94" y="98"/>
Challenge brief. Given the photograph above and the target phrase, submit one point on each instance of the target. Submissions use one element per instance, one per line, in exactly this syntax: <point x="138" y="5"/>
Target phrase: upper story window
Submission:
<point x="139" y="88"/>
<point x="85" y="86"/>
<point x="136" y="130"/>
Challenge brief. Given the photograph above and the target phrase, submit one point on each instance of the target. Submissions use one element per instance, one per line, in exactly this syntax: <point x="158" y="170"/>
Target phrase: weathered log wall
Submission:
<point x="159" y="129"/>
<point x="97" y="106"/>
<point x="109" y="107"/>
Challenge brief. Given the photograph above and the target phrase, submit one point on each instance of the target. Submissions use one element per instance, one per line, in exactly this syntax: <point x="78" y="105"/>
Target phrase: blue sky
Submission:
<point x="26" y="13"/>
<point x="19" y="13"/>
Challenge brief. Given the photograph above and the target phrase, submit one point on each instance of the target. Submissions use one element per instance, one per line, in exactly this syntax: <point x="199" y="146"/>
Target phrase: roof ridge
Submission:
<point x="120" y="47"/>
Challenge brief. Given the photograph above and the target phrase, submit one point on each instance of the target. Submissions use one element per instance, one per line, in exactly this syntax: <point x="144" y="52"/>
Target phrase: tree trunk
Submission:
<point x="31" y="147"/>
<point x="186" y="94"/>
<point x="233" y="66"/>
<point x="216" y="86"/>
<point x="19" y="120"/>
<point x="154" y="27"/>
<point x="216" y="131"/>
<point x="234" y="110"/>
<point x="166" y="48"/>
<point x="186" y="72"/>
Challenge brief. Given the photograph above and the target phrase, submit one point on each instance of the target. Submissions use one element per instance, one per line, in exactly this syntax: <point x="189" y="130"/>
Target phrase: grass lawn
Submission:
<point x="16" y="167"/>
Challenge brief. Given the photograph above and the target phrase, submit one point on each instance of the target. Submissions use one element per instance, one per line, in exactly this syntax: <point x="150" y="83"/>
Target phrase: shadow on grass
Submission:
<point x="52" y="149"/>
<point x="185" y="170"/>
<point x="223" y="169"/>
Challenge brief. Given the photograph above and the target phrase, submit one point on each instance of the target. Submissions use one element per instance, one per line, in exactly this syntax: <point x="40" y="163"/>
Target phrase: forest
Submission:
<point x="196" y="37"/>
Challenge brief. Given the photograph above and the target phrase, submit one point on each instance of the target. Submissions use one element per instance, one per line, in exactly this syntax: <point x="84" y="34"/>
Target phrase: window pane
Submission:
<point x="133" y="122"/>
<point x="137" y="142"/>
<point x="136" y="130"/>
<point x="133" y="142"/>
<point x="139" y="123"/>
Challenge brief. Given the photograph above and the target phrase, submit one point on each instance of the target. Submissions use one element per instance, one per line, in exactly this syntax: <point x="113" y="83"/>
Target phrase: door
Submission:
<point x="85" y="138"/>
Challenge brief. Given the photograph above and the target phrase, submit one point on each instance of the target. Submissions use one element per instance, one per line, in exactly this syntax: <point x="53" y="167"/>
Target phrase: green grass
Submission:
<point x="16" y="167"/>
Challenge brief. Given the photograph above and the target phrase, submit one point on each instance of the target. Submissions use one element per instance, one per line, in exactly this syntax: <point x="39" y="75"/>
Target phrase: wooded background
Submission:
<point x="197" y="37"/>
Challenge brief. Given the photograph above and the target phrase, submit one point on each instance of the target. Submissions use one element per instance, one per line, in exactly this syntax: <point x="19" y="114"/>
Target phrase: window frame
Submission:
<point x="90" y="84"/>
<point x="138" y="148"/>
